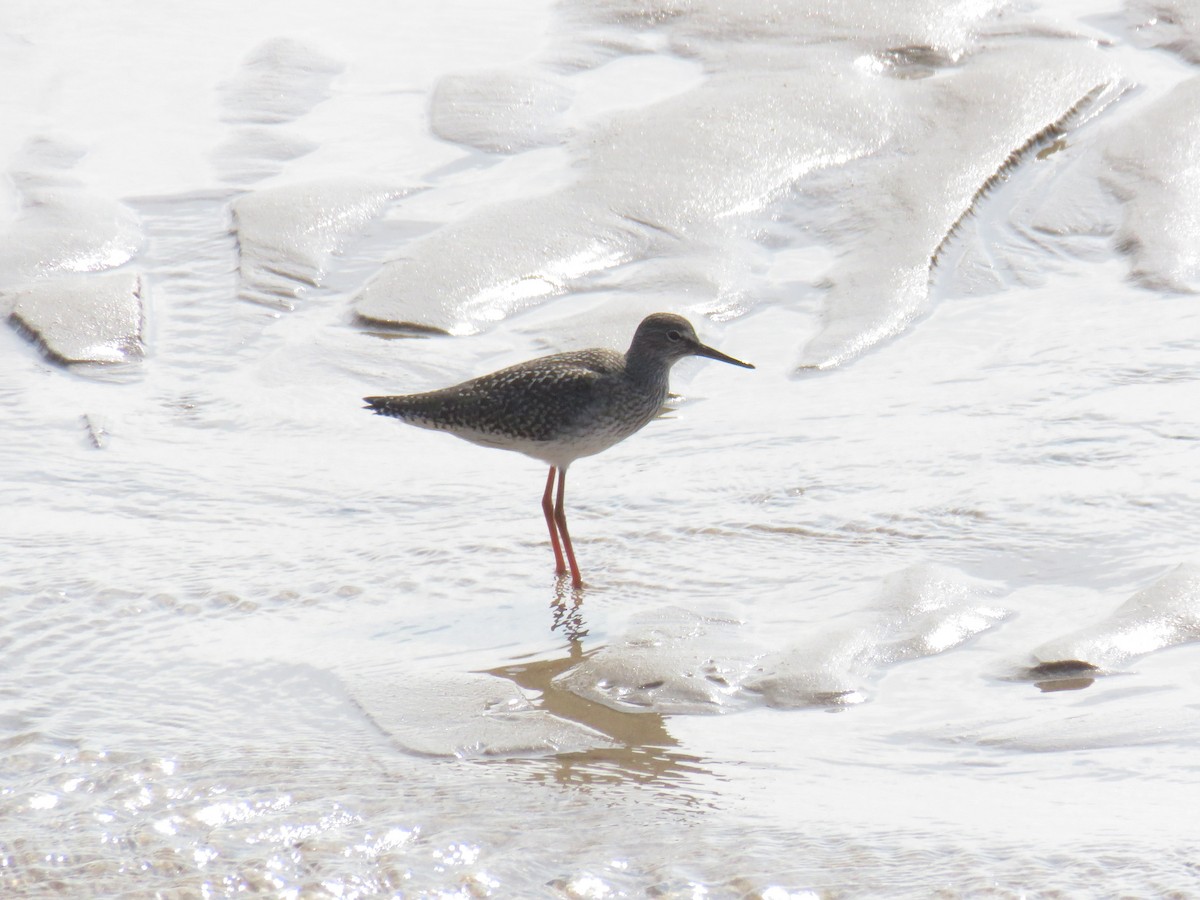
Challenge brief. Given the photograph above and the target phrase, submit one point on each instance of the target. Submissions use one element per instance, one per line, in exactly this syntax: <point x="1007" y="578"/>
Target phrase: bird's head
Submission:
<point x="670" y="337"/>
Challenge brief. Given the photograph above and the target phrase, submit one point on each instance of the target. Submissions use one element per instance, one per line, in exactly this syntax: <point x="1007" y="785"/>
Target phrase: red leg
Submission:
<point x="560" y="567"/>
<point x="560" y="516"/>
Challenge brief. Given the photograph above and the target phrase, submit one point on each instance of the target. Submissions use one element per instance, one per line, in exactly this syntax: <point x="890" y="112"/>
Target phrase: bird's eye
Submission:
<point x="672" y="335"/>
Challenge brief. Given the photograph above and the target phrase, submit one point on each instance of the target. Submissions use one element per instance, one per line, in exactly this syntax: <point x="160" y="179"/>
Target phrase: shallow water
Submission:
<point x="909" y="610"/>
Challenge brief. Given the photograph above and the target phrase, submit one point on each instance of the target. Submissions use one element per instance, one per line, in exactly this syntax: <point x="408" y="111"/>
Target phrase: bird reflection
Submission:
<point x="643" y="748"/>
<point x="567" y="610"/>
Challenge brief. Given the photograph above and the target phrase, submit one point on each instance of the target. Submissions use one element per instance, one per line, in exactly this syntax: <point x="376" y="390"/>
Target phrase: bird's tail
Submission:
<point x="386" y="406"/>
<point x="425" y="410"/>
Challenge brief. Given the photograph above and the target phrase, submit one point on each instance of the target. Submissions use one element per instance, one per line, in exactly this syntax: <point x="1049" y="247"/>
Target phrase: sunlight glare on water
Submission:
<point x="907" y="610"/>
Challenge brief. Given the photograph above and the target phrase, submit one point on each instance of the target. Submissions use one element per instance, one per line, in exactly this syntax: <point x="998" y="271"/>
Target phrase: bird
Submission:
<point x="561" y="408"/>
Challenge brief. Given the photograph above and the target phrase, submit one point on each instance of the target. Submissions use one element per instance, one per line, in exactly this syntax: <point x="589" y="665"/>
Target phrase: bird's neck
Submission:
<point x="648" y="368"/>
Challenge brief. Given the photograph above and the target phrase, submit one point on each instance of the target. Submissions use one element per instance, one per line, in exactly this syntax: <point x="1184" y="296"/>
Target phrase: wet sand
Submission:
<point x="907" y="611"/>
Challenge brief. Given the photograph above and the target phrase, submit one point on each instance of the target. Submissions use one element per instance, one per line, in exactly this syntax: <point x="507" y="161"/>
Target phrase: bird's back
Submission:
<point x="556" y="408"/>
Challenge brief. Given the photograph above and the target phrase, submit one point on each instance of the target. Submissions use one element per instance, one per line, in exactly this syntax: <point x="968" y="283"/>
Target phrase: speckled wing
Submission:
<point x="540" y="400"/>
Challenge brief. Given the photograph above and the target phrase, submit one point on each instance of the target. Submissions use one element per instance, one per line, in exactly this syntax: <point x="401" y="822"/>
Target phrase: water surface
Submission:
<point x="906" y="611"/>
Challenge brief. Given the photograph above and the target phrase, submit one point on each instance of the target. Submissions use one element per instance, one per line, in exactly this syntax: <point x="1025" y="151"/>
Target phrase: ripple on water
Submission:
<point x="223" y="563"/>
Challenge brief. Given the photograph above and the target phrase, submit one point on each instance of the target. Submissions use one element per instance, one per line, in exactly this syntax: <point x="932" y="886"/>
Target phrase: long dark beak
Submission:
<point x="705" y="350"/>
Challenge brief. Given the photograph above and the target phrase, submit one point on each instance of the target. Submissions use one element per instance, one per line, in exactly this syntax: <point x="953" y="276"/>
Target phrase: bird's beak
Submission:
<point x="705" y="350"/>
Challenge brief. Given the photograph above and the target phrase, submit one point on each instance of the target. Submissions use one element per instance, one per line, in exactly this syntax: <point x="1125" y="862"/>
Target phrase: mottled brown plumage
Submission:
<point x="562" y="407"/>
